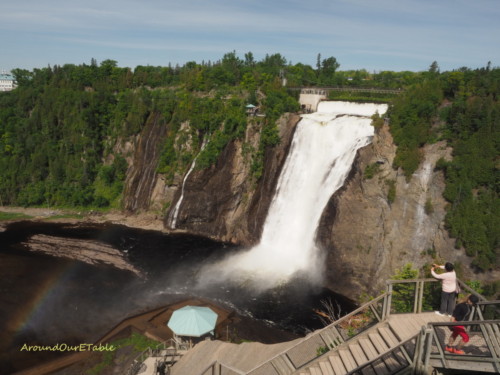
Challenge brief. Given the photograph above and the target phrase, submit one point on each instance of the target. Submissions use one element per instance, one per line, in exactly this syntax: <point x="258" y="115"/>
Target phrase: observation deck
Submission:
<point x="394" y="333"/>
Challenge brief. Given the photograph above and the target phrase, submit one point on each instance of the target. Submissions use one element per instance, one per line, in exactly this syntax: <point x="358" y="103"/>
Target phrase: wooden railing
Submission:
<point x="482" y="354"/>
<point x="154" y="352"/>
<point x="325" y="339"/>
<point x="425" y="350"/>
<point x="344" y="329"/>
<point x="415" y="301"/>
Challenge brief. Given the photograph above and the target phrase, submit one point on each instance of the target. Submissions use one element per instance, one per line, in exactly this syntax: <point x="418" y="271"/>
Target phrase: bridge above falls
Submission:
<point x="381" y="337"/>
<point x="311" y="96"/>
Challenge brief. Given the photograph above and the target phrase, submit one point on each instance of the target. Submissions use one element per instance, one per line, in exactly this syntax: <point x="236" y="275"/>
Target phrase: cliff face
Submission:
<point x="368" y="236"/>
<point x="223" y="202"/>
<point x="142" y="182"/>
<point x="367" y="231"/>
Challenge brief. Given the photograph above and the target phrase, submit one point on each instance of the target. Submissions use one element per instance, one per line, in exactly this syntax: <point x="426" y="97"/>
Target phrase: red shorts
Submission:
<point x="460" y="330"/>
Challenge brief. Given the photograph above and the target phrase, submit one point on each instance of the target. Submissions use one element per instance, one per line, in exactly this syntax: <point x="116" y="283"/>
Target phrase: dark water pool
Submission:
<point x="46" y="300"/>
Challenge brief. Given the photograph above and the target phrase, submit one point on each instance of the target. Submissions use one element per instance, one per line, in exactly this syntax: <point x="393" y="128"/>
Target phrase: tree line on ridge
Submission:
<point x="59" y="127"/>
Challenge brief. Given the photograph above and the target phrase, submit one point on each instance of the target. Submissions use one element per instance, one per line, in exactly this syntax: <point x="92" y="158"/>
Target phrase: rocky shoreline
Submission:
<point x="84" y="250"/>
<point x="90" y="252"/>
<point x="148" y="221"/>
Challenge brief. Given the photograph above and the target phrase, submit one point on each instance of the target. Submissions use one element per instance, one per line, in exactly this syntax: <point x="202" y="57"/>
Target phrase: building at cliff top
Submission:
<point x="7" y="82"/>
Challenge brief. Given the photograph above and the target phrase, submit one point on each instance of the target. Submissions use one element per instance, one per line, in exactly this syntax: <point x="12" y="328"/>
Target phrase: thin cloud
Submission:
<point x="397" y="34"/>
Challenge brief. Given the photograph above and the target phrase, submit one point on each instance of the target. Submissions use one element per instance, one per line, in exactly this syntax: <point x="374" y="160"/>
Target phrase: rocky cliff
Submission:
<point x="223" y="201"/>
<point x="143" y="181"/>
<point x="368" y="234"/>
<point x="375" y="224"/>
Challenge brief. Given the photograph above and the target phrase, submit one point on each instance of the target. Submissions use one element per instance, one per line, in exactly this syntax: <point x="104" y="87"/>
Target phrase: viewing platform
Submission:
<point x="395" y="333"/>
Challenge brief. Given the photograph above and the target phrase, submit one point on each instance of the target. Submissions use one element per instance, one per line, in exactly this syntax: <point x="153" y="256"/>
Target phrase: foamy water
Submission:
<point x="320" y="158"/>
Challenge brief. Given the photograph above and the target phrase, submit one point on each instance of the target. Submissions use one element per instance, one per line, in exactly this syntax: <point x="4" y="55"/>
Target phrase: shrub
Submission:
<point x="371" y="170"/>
<point x="428" y="208"/>
<point x="391" y="193"/>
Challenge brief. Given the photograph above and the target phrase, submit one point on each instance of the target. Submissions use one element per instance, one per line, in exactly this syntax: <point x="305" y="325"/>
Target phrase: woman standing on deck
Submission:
<point x="449" y="288"/>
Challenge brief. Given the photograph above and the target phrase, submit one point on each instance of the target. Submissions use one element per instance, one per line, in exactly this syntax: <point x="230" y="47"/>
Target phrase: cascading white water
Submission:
<point x="320" y="158"/>
<point x="175" y="212"/>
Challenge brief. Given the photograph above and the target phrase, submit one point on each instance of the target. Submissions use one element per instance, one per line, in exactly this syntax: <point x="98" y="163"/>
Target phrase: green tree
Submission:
<point x="403" y="296"/>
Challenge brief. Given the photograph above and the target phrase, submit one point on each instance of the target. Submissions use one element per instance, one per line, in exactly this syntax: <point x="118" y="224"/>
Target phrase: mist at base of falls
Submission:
<point x="321" y="155"/>
<point x="48" y="300"/>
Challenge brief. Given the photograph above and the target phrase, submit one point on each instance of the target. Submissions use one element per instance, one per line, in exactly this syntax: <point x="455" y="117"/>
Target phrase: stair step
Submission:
<point x="391" y="362"/>
<point x="378" y="343"/>
<point x="388" y="336"/>
<point x="388" y="364"/>
<point x="347" y="359"/>
<point x="281" y="365"/>
<point x="380" y="367"/>
<point x="361" y="359"/>
<point x="368" y="370"/>
<point x="326" y="368"/>
<point x="400" y="357"/>
<point x="315" y="370"/>
<point x="358" y="354"/>
<point x="368" y="348"/>
<point x="337" y="364"/>
<point x="403" y="330"/>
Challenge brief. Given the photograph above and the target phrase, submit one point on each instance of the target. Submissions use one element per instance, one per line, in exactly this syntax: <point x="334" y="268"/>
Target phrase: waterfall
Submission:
<point x="320" y="158"/>
<point x="420" y="237"/>
<point x="175" y="212"/>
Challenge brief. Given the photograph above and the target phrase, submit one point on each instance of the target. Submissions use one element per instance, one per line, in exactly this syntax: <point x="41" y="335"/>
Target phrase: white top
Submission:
<point x="449" y="280"/>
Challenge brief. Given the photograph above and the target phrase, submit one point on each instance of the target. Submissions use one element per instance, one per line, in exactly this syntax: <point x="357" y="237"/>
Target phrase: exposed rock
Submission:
<point x="368" y="238"/>
<point x="91" y="252"/>
<point x="222" y="202"/>
<point x="142" y="178"/>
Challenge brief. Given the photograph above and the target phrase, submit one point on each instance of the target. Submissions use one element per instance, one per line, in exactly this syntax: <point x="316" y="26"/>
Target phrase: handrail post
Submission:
<point x="427" y="347"/>
<point x="384" y="302"/>
<point x="375" y="313"/>
<point x="421" y="299"/>
<point x="416" y="297"/>
<point x="491" y="343"/>
<point x="387" y="302"/>
<point x="419" y="352"/>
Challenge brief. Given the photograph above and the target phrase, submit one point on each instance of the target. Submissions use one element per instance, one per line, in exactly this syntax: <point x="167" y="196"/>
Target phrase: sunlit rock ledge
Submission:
<point x="88" y="251"/>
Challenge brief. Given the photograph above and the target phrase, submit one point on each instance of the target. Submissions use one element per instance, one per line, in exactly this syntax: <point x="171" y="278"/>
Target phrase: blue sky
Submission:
<point x="362" y="34"/>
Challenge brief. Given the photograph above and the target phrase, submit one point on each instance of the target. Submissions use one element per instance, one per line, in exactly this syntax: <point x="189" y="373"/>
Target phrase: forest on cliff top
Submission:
<point x="59" y="129"/>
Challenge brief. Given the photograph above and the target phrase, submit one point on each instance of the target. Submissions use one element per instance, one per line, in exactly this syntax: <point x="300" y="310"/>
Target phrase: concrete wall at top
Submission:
<point x="309" y="102"/>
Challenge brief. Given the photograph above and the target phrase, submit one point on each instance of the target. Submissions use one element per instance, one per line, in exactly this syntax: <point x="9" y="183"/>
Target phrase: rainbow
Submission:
<point x="43" y="293"/>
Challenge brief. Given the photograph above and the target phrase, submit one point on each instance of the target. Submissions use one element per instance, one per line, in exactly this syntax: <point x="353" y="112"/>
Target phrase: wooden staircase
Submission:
<point x="390" y="347"/>
<point x="375" y="340"/>
<point x="376" y="351"/>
